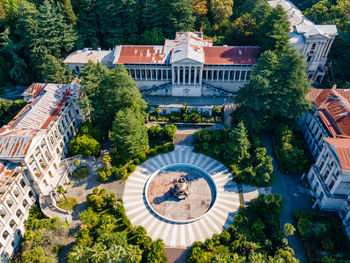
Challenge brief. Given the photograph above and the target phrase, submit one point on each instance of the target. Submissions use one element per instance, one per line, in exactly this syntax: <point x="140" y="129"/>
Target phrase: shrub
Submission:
<point x="136" y="162"/>
<point x="165" y="148"/>
<point x="143" y="156"/>
<point x="81" y="172"/>
<point x="119" y="173"/>
<point x="84" y="145"/>
<point x="104" y="173"/>
<point x="131" y="168"/>
<point x="153" y="152"/>
<point x="171" y="147"/>
<point x="91" y="130"/>
<point x="67" y="203"/>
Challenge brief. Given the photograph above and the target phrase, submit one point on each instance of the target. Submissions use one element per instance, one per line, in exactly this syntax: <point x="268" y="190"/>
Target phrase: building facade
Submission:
<point x="311" y="40"/>
<point x="188" y="66"/>
<point x="32" y="146"/>
<point x="327" y="132"/>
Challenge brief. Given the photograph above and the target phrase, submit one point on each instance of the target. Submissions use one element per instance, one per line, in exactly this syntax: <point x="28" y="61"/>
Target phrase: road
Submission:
<point x="295" y="196"/>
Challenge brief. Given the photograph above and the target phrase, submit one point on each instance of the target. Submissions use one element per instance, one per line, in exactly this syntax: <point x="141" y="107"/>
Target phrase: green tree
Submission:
<point x="129" y="133"/>
<point x="220" y="10"/>
<point x="237" y="147"/>
<point x="78" y="253"/>
<point x="242" y="30"/>
<point x="152" y="37"/>
<point x="276" y="92"/>
<point x="53" y="71"/>
<point x="288" y="229"/>
<point x="273" y="33"/>
<point x="84" y="145"/>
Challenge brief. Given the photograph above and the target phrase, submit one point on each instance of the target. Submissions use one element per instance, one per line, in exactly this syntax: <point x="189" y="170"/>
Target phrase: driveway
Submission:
<point x="295" y="196"/>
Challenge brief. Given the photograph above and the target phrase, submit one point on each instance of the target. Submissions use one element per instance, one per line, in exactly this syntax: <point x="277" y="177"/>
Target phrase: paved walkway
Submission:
<point x="295" y="197"/>
<point x="182" y="234"/>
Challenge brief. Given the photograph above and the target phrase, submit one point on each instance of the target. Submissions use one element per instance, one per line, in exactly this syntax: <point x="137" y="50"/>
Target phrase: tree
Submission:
<point x="129" y="134"/>
<point x="288" y="229"/>
<point x="273" y="33"/>
<point x="276" y="92"/>
<point x="220" y="10"/>
<point x="76" y="162"/>
<point x="61" y="190"/>
<point x="238" y="144"/>
<point x="182" y="17"/>
<point x="106" y="159"/>
<point x="199" y="7"/>
<point x="152" y="37"/>
<point x="53" y="71"/>
<point x="84" y="145"/>
<point x="242" y="30"/>
<point x="78" y="253"/>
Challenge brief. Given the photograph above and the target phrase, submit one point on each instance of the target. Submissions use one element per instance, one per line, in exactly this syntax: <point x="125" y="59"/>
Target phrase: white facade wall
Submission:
<point x="14" y="210"/>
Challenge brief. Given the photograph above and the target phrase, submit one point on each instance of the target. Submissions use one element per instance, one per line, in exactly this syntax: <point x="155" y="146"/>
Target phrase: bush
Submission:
<point x="81" y="172"/>
<point x="120" y="173"/>
<point x="131" y="168"/>
<point x="84" y="145"/>
<point x="143" y="156"/>
<point x="153" y="152"/>
<point x="164" y="149"/>
<point x="171" y="147"/>
<point x="104" y="173"/>
<point x="89" y="129"/>
<point x="136" y="162"/>
<point x="67" y="204"/>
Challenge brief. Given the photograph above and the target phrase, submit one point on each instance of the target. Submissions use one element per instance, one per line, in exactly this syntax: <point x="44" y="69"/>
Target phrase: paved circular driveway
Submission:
<point x="219" y="217"/>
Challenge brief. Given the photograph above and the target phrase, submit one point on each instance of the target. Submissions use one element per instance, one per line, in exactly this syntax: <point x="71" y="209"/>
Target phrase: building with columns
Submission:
<point x="186" y="66"/>
<point x="327" y="132"/>
<point x="32" y="146"/>
<point x="311" y="40"/>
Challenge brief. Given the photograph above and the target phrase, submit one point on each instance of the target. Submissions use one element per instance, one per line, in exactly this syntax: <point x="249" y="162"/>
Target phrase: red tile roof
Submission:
<point x="231" y="55"/>
<point x="342" y="147"/>
<point x="140" y="55"/>
<point x="333" y="108"/>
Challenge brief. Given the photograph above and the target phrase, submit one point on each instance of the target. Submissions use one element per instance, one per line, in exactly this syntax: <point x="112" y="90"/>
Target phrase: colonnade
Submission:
<point x="226" y="75"/>
<point x="150" y="74"/>
<point x="187" y="75"/>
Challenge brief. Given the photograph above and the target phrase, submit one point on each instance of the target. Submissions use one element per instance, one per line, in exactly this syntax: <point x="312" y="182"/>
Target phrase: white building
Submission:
<point x="327" y="132"/>
<point x="32" y="146"/>
<point x="186" y="66"/>
<point x="312" y="41"/>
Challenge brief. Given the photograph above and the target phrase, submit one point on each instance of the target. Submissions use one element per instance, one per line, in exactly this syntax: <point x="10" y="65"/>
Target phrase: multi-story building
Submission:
<point x="186" y="66"/>
<point x="327" y="133"/>
<point x="32" y="146"/>
<point x="311" y="40"/>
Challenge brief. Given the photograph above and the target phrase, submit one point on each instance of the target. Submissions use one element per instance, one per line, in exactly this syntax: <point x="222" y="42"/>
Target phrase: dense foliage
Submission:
<point x="323" y="237"/>
<point x="248" y="162"/>
<point x="160" y="135"/>
<point x="276" y="93"/>
<point x="9" y="108"/>
<point x="84" y="145"/>
<point x="255" y="236"/>
<point x="106" y="234"/>
<point x="289" y="150"/>
<point x="43" y="238"/>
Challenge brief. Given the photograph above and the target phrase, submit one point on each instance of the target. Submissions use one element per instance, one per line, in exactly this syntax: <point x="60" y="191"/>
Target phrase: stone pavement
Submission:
<point x="295" y="197"/>
<point x="182" y="235"/>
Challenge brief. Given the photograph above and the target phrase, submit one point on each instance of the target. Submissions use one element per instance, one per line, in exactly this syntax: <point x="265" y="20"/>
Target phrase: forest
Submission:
<point x="36" y="35"/>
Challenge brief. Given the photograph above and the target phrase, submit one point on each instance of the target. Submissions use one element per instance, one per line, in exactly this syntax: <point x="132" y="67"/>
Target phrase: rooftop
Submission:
<point x="187" y="46"/>
<point x="300" y="24"/>
<point x="342" y="148"/>
<point x="45" y="102"/>
<point x="333" y="107"/>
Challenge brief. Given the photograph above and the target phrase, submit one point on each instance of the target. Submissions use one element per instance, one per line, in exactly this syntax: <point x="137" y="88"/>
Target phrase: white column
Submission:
<point x="43" y="155"/>
<point x="239" y="76"/>
<point x="156" y="74"/>
<point x="217" y="75"/>
<point x="184" y="75"/>
<point x="200" y="75"/>
<point x="140" y="74"/>
<point x="162" y="74"/>
<point x="195" y="76"/>
<point x="189" y="75"/>
<point x="329" y="47"/>
<point x="245" y="76"/>
<point x="173" y="76"/>
<point x="178" y="75"/>
<point x="37" y="164"/>
<point x="13" y="197"/>
<point x="145" y="70"/>
<point x="49" y="146"/>
<point x="212" y="75"/>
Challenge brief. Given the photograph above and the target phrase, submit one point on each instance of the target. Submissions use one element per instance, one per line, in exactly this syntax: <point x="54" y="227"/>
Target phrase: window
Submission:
<point x="25" y="203"/>
<point x="9" y="203"/>
<point x="2" y="213"/>
<point x="331" y="185"/>
<point x="77" y="69"/>
<point x="23" y="183"/>
<point x="19" y="213"/>
<point x="313" y="47"/>
<point x="12" y="223"/>
<point x="326" y="175"/>
<point x="308" y="60"/>
<point x="321" y="166"/>
<point x="30" y="194"/>
<point x="5" y="234"/>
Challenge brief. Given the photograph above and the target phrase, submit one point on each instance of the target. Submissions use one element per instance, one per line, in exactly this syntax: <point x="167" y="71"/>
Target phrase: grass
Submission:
<point x="81" y="172"/>
<point x="68" y="204"/>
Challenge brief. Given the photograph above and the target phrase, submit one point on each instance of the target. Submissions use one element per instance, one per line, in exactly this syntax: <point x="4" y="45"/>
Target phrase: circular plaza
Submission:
<point x="181" y="197"/>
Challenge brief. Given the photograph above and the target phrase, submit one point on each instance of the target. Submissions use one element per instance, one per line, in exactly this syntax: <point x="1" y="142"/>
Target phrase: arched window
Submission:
<point x="5" y="234"/>
<point x="25" y="203"/>
<point x="12" y="223"/>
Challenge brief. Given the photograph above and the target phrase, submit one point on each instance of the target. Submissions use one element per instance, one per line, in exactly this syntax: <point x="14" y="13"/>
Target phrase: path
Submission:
<point x="295" y="197"/>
